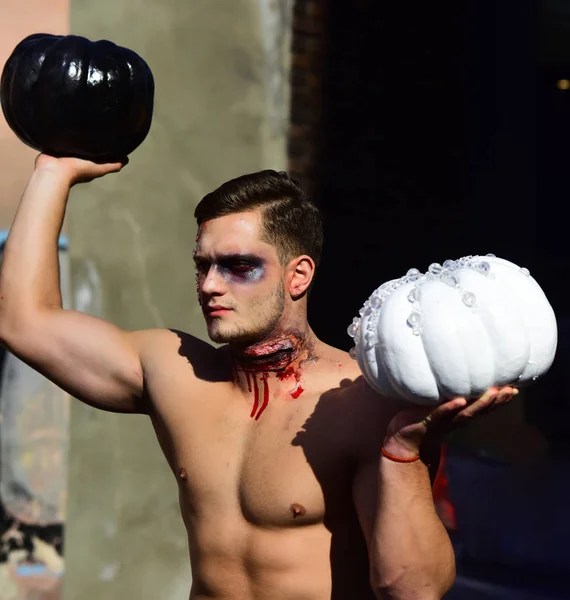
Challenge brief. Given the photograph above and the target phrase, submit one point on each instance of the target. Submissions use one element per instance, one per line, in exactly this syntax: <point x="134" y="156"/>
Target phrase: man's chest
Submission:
<point x="285" y="468"/>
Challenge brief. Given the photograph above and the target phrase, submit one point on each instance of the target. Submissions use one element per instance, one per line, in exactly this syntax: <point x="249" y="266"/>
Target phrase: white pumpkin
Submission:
<point x="455" y="331"/>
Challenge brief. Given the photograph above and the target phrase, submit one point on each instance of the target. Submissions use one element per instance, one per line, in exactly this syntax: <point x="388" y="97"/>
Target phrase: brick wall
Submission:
<point x="308" y="47"/>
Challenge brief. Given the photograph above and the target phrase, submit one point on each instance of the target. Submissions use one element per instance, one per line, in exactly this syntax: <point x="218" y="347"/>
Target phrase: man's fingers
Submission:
<point x="459" y="410"/>
<point x="444" y="412"/>
<point x="110" y="168"/>
<point x="489" y="395"/>
<point x="487" y="403"/>
<point x="506" y="394"/>
<point x="479" y="406"/>
<point x="88" y="171"/>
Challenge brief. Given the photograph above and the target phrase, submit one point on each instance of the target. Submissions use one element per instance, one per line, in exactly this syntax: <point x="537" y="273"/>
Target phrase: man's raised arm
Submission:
<point x="91" y="359"/>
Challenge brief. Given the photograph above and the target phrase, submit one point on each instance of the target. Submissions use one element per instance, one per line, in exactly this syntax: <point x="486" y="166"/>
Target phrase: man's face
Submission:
<point x="240" y="279"/>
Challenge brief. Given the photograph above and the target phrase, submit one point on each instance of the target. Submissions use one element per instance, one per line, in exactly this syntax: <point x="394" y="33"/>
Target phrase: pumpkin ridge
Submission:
<point x="8" y="107"/>
<point x="489" y="347"/>
<point x="381" y="364"/>
<point x="19" y="128"/>
<point x="436" y="379"/>
<point x="397" y="376"/>
<point x="366" y="367"/>
<point x="427" y="354"/>
<point x="516" y="308"/>
<point x="494" y="348"/>
<point x="466" y="341"/>
<point x="533" y="348"/>
<point x="6" y="96"/>
<point x="60" y="49"/>
<point x="450" y="334"/>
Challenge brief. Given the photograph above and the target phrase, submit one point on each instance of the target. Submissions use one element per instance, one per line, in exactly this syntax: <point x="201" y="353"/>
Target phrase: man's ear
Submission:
<point x="301" y="272"/>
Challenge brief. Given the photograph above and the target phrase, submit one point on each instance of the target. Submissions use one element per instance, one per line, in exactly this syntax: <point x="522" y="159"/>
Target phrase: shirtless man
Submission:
<point x="275" y="440"/>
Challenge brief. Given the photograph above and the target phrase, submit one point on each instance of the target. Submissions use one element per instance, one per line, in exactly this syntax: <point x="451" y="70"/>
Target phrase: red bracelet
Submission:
<point x="398" y="459"/>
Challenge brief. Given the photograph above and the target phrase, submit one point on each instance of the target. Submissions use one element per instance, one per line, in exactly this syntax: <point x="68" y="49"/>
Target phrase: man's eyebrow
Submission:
<point x="232" y="256"/>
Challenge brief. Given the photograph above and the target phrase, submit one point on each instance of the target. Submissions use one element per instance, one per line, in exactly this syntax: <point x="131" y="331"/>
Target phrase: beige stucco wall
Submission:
<point x="221" y="110"/>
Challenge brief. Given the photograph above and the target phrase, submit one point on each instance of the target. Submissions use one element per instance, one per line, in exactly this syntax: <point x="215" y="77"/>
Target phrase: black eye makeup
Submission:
<point x="244" y="268"/>
<point x="237" y="268"/>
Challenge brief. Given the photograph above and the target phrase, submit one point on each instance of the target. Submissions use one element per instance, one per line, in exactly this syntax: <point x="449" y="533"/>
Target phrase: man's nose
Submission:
<point x="213" y="283"/>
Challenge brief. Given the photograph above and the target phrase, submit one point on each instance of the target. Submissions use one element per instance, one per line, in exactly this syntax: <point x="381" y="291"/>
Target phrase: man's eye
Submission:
<point x="241" y="268"/>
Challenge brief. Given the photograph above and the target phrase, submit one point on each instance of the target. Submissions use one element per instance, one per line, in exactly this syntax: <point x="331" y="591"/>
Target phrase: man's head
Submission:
<point x="259" y="242"/>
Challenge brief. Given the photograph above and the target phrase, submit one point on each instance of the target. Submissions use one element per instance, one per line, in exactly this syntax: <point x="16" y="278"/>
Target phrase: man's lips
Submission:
<point x="216" y="311"/>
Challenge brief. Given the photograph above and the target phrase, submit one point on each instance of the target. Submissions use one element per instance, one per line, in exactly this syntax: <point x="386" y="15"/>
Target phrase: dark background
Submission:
<point x="443" y="134"/>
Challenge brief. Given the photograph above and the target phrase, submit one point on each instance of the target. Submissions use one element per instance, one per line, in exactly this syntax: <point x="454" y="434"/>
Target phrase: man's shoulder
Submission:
<point x="340" y="377"/>
<point x="149" y="339"/>
<point x="352" y="403"/>
<point x="341" y="371"/>
<point x="334" y="360"/>
<point x="166" y="347"/>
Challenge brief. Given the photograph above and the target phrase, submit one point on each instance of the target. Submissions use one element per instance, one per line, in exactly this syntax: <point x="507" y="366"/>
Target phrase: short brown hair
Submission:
<point x="290" y="220"/>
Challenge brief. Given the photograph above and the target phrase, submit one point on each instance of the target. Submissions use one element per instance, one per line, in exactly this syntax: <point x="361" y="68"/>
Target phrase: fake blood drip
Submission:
<point x="265" y="396"/>
<point x="273" y="357"/>
<point x="254" y="411"/>
<point x="252" y="385"/>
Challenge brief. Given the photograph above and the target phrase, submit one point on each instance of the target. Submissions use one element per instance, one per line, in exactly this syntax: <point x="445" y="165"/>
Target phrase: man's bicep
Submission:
<point x="365" y="497"/>
<point x="372" y="421"/>
<point x="93" y="360"/>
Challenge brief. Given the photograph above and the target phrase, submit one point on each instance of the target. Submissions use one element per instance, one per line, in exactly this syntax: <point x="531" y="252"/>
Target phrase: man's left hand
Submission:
<point x="408" y="429"/>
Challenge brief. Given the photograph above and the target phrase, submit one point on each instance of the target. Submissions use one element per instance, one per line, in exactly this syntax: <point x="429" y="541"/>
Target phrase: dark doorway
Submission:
<point x="446" y="132"/>
<point x="553" y="120"/>
<point x="428" y="143"/>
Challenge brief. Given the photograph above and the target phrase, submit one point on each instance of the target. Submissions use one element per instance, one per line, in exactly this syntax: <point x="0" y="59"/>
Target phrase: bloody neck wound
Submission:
<point x="280" y="358"/>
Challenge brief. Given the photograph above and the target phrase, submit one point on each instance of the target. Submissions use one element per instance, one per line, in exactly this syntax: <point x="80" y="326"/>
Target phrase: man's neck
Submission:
<point x="275" y="353"/>
<point x="274" y="367"/>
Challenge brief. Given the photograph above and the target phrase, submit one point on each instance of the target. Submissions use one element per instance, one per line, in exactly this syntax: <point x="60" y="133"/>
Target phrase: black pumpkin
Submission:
<point x="68" y="96"/>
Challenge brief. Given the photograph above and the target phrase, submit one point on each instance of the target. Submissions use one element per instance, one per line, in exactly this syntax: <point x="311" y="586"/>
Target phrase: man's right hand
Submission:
<point x="76" y="170"/>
